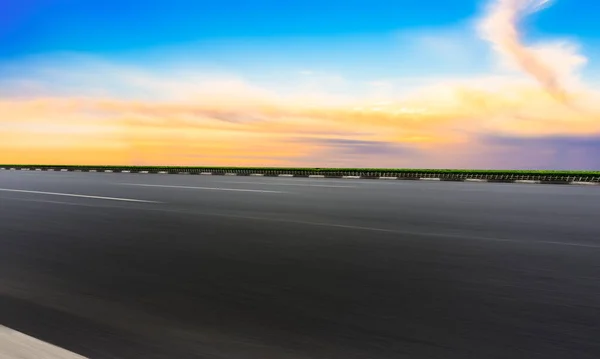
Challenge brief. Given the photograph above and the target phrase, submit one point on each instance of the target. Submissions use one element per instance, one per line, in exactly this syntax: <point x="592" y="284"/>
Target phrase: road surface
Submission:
<point x="179" y="266"/>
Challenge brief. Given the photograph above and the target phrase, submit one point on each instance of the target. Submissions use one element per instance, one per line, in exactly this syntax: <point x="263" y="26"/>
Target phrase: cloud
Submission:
<point x="551" y="64"/>
<point x="345" y="152"/>
<point x="433" y="121"/>
<point x="561" y="152"/>
<point x="363" y="148"/>
<point x="454" y="48"/>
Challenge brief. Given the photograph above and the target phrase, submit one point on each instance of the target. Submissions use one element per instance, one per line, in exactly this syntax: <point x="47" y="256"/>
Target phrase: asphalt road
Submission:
<point x="244" y="267"/>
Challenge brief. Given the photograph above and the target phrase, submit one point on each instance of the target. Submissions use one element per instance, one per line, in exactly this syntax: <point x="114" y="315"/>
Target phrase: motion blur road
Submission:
<point x="250" y="267"/>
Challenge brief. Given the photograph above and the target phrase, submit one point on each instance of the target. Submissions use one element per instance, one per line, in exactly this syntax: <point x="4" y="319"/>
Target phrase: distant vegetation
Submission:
<point x="313" y="171"/>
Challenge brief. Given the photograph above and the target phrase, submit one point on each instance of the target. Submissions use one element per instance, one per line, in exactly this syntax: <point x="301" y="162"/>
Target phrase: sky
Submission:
<point x="487" y="84"/>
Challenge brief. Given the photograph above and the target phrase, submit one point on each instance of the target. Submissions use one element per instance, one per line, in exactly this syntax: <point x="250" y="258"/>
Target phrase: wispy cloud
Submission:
<point x="553" y="65"/>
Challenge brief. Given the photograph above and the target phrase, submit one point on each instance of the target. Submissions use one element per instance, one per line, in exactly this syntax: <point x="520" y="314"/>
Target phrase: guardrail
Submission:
<point x="555" y="177"/>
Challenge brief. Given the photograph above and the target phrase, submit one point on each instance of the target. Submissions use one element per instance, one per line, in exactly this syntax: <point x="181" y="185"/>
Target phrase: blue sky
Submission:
<point x="367" y="37"/>
<point x="109" y="26"/>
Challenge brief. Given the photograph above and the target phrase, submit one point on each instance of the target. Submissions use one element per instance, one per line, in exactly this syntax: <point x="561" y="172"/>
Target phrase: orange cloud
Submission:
<point x="176" y="131"/>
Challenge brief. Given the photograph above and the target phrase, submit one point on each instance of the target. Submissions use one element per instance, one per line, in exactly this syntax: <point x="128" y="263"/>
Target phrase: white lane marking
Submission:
<point x="331" y="225"/>
<point x="202" y="188"/>
<point x="78" y="195"/>
<point x="527" y="181"/>
<point x="291" y="184"/>
<point x="53" y="202"/>
<point x="430" y="179"/>
<point x="475" y="180"/>
<point x="585" y="183"/>
<point x="273" y="180"/>
<point x="362" y="228"/>
<point x="384" y="230"/>
<point x="14" y="344"/>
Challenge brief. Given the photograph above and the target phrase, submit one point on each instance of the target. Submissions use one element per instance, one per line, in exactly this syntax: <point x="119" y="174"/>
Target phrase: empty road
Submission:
<point x="173" y="266"/>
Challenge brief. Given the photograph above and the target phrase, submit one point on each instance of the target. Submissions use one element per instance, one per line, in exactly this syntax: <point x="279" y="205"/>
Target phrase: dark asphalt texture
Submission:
<point x="317" y="268"/>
